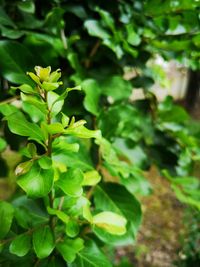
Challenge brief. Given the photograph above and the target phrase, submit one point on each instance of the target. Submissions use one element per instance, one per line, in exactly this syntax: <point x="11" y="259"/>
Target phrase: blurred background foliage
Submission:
<point x="106" y="47"/>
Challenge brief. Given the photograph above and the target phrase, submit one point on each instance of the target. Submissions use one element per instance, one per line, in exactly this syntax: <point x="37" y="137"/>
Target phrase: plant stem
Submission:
<point x="49" y="152"/>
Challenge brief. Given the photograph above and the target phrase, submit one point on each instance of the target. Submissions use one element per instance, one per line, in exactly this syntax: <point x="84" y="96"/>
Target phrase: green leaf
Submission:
<point x="27" y="6"/>
<point x="133" y="37"/>
<point x="55" y="76"/>
<point x="65" y="93"/>
<point x="11" y="33"/>
<point x="15" y="60"/>
<point x="115" y="198"/>
<point x="111" y="222"/>
<point x="69" y="248"/>
<point x="45" y="162"/>
<point x="60" y="214"/>
<point x="25" y="88"/>
<point x="54" y="128"/>
<point x="35" y="102"/>
<point x="37" y="182"/>
<point x="5" y="19"/>
<point x="116" y="87"/>
<point x="23" y="167"/>
<point x="72" y="228"/>
<point x="54" y="103"/>
<point x="32" y="149"/>
<point x="70" y="182"/>
<point x="6" y="217"/>
<point x="107" y="18"/>
<point x="83" y="132"/>
<point x="91" y="256"/>
<point x="92" y="94"/>
<point x="21" y="245"/>
<point x="3" y="144"/>
<point x="65" y="120"/>
<point x="18" y="124"/>
<point x="43" y="242"/>
<point x="94" y="28"/>
<point x="91" y="178"/>
<point x="50" y="86"/>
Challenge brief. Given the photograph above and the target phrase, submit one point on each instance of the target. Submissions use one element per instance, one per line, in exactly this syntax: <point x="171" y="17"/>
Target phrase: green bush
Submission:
<point x="97" y="44"/>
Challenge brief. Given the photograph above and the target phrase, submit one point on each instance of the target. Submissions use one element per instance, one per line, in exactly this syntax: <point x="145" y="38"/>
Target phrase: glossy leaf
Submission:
<point x="94" y="28"/>
<point x="91" y="256"/>
<point x="92" y="94"/>
<point x="111" y="222"/>
<point x="45" y="162"/>
<point x="91" y="178"/>
<point x="70" y="182"/>
<point x="60" y="214"/>
<point x="43" y="242"/>
<point x="21" y="245"/>
<point x="6" y="217"/>
<point x="72" y="228"/>
<point x="37" y="182"/>
<point x="16" y="59"/>
<point x="69" y="248"/>
<point x="18" y="124"/>
<point x="83" y="132"/>
<point x="115" y="198"/>
<point x="23" y="167"/>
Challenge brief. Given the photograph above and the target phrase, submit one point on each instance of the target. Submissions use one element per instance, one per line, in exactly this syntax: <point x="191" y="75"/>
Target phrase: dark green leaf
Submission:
<point x="92" y="91"/>
<point x="91" y="256"/>
<point x="94" y="28"/>
<point x="6" y="216"/>
<point x="114" y="197"/>
<point x="69" y="248"/>
<point x="15" y="60"/>
<point x="21" y="245"/>
<point x="43" y="242"/>
<point x="18" y="124"/>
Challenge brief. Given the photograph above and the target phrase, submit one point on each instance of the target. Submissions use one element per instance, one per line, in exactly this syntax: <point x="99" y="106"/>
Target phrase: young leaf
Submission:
<point x="55" y="76"/>
<point x="70" y="182"/>
<point x="43" y="73"/>
<point x="43" y="242"/>
<point x="49" y="86"/>
<point x="91" y="178"/>
<point x="32" y="149"/>
<point x="111" y="222"/>
<point x="6" y="216"/>
<point x="65" y="120"/>
<point x="54" y="103"/>
<point x="54" y="128"/>
<point x="69" y="248"/>
<point x="37" y="182"/>
<point x="83" y="132"/>
<point x="21" y="245"/>
<point x="60" y="214"/>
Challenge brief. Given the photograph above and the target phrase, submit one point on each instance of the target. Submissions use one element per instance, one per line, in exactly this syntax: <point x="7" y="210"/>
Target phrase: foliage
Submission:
<point x="97" y="44"/>
<point x="189" y="253"/>
<point x="66" y="214"/>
